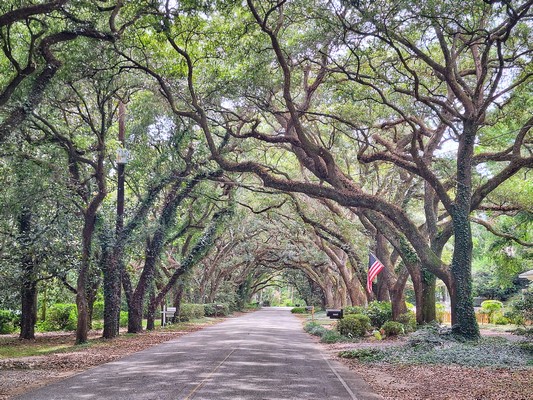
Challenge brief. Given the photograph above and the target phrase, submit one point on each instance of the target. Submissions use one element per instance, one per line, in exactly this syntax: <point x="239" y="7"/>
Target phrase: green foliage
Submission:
<point x="521" y="310"/>
<point x="315" y="329"/>
<point x="252" y="306"/>
<point x="123" y="319"/>
<point x="494" y="352"/>
<point x="331" y="336"/>
<point x="368" y="354"/>
<point x="491" y="305"/>
<point x="326" y="335"/>
<point x="211" y="309"/>
<point x="190" y="311"/>
<point x="393" y="328"/>
<point x="98" y="310"/>
<point x="379" y="312"/>
<point x="408" y="320"/>
<point x="9" y="321"/>
<point x="499" y="319"/>
<point x="60" y="317"/>
<point x="492" y="308"/>
<point x="439" y="311"/>
<point x="354" y="325"/>
<point x="353" y="310"/>
<point x="299" y="310"/>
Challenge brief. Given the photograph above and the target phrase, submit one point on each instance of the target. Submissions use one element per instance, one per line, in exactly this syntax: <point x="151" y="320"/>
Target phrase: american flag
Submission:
<point x="374" y="268"/>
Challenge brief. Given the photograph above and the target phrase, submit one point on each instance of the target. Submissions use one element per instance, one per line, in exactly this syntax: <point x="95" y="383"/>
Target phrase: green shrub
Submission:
<point x="315" y="329"/>
<point x="354" y="310"/>
<point x="522" y="309"/>
<point x="251" y="306"/>
<point x="492" y="305"/>
<point x="499" y="319"/>
<point x="331" y="337"/>
<point x="379" y="312"/>
<point x="98" y="310"/>
<point x="393" y="328"/>
<point x="61" y="317"/>
<point x="191" y="311"/>
<point x="368" y="354"/>
<point x="9" y="321"/>
<point x="211" y="310"/>
<point x="408" y="320"/>
<point x="299" y="310"/>
<point x="123" y="319"/>
<point x="440" y="310"/>
<point x="354" y="325"/>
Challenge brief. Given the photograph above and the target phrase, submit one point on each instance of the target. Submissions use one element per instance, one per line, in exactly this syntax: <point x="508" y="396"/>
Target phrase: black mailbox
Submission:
<point x="310" y="308"/>
<point x="334" y="314"/>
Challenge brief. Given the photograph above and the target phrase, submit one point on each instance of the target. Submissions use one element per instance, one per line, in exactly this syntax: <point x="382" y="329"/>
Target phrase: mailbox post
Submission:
<point x="311" y="309"/>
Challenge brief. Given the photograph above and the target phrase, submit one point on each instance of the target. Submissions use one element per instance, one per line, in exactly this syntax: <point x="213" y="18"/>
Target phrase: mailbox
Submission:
<point x="334" y="314"/>
<point x="310" y="308"/>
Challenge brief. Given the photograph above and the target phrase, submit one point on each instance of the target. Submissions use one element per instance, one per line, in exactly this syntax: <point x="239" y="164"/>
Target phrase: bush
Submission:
<point x="211" y="310"/>
<point x="368" y="354"/>
<point x="354" y="325"/>
<point x="354" y="310"/>
<point x="331" y="337"/>
<point x="315" y="329"/>
<point x="439" y="311"/>
<point x="499" y="319"/>
<point x="123" y="319"/>
<point x="299" y="310"/>
<point x="61" y="317"/>
<point x="393" y="328"/>
<point x="98" y="310"/>
<point x="251" y="306"/>
<point x="191" y="311"/>
<point x="491" y="305"/>
<point x="379" y="312"/>
<point x="522" y="310"/>
<point x="9" y="321"/>
<point x="408" y="320"/>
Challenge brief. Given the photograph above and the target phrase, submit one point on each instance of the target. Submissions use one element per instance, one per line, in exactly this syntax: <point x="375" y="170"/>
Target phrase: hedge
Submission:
<point x="190" y="311"/>
<point x="211" y="309"/>
<point x="9" y="321"/>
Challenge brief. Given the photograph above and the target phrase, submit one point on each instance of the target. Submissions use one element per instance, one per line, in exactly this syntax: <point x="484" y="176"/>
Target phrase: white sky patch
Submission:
<point x="162" y="129"/>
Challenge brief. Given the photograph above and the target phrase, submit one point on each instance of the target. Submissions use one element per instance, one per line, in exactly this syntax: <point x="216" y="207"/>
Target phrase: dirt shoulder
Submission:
<point x="21" y="374"/>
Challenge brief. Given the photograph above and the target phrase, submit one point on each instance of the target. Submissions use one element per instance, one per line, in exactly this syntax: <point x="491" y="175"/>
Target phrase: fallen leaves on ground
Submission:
<point x="445" y="382"/>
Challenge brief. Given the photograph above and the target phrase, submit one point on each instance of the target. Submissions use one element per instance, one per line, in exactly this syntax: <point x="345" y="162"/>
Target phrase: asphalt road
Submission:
<point x="261" y="355"/>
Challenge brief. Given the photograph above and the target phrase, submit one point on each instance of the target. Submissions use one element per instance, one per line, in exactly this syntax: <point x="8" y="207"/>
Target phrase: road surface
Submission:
<point x="261" y="355"/>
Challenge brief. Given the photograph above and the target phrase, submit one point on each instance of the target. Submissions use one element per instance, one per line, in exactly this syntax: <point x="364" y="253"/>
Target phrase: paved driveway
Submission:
<point x="261" y="355"/>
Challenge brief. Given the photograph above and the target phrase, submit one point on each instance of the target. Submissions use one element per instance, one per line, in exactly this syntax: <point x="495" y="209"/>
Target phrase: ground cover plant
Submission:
<point x="431" y="346"/>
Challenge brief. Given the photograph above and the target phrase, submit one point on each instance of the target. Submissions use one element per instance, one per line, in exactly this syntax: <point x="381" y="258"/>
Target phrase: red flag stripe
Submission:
<point x="373" y="271"/>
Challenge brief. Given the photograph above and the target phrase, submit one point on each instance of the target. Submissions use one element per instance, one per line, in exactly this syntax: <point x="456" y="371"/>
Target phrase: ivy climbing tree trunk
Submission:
<point x="29" y="282"/>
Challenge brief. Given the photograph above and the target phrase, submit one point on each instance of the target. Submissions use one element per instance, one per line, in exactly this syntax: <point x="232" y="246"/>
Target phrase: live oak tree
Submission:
<point x="453" y="72"/>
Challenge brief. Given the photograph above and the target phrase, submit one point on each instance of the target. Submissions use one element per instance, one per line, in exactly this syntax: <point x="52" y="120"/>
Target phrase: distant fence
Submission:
<point x="481" y="318"/>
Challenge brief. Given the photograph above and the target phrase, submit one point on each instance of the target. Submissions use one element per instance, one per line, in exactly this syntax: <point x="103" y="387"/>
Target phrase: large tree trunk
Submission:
<point x="427" y="286"/>
<point x="29" y="282"/>
<point x="463" y="316"/>
<point x="464" y="320"/>
<point x="81" y="287"/>
<point x="150" y="317"/>
<point x="178" y="297"/>
<point x="112" y="284"/>
<point x="29" y="309"/>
